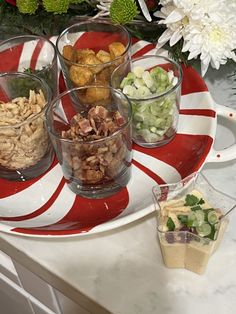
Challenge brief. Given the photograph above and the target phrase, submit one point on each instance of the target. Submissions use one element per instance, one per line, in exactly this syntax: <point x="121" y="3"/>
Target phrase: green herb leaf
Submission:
<point x="183" y="218"/>
<point x="191" y="200"/>
<point x="201" y="201"/>
<point x="194" y="208"/>
<point x="170" y="224"/>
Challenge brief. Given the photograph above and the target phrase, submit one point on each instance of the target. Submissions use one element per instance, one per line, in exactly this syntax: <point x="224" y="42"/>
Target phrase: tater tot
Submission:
<point x="69" y="53"/>
<point x="116" y="49"/>
<point x="92" y="60"/>
<point x="103" y="56"/>
<point x="104" y="75"/>
<point x="93" y="94"/>
<point x="81" y="53"/>
<point x="80" y="76"/>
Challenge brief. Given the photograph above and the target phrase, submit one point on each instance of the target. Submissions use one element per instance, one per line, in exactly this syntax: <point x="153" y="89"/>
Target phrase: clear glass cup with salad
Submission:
<point x="153" y="85"/>
<point x="191" y="221"/>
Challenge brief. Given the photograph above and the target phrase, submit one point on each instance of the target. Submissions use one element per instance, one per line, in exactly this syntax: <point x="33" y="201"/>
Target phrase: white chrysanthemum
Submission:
<point x="103" y="7"/>
<point x="214" y="43"/>
<point x="206" y="26"/>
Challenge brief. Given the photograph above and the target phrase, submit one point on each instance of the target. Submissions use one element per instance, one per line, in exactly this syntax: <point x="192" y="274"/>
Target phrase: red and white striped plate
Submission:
<point x="45" y="206"/>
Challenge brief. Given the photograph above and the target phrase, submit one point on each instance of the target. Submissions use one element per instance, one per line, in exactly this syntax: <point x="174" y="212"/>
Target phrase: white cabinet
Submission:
<point x="23" y="292"/>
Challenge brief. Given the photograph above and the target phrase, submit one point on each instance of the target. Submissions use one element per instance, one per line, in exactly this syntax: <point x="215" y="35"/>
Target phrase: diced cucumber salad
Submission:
<point x="153" y="118"/>
<point x="200" y="221"/>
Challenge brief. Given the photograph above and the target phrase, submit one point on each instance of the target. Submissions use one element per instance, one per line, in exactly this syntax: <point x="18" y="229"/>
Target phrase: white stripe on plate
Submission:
<point x="138" y="46"/>
<point x="196" y="125"/>
<point x="168" y="173"/>
<point x="140" y="200"/>
<point x="56" y="212"/>
<point x="32" y="198"/>
<point x="26" y="55"/>
<point x="199" y="100"/>
<point x="158" y="52"/>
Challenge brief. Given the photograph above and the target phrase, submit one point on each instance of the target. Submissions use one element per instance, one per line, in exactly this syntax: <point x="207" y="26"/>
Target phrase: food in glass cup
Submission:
<point x="191" y="221"/>
<point x="25" y="148"/>
<point x="93" y="142"/>
<point x="153" y="85"/>
<point x="89" y="51"/>
<point x="31" y="54"/>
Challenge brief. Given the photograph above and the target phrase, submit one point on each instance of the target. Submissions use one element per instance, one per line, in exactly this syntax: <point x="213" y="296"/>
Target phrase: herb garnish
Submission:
<point x="170" y="224"/>
<point x="200" y="220"/>
<point x="191" y="200"/>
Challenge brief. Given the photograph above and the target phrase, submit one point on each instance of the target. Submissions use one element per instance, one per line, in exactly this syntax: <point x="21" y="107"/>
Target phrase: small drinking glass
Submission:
<point x="181" y="247"/>
<point x="25" y="148"/>
<point x="89" y="51"/>
<point x="155" y="97"/>
<point x="93" y="142"/>
<point x="31" y="54"/>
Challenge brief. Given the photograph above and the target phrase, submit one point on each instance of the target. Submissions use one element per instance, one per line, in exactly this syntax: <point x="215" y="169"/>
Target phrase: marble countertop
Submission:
<point x="121" y="271"/>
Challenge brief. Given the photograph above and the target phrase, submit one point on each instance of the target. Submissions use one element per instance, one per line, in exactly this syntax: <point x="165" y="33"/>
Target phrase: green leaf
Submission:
<point x="194" y="208"/>
<point x="183" y="218"/>
<point x="201" y="201"/>
<point x="191" y="200"/>
<point x="170" y="224"/>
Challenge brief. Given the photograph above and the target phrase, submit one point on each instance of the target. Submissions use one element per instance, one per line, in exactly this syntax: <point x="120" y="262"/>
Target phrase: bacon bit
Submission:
<point x="85" y="126"/>
<point x="94" y="163"/>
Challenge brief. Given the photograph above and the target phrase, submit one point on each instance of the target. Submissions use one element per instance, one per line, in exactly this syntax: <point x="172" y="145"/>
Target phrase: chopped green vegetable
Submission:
<point x="204" y="230"/>
<point x="170" y="224"/>
<point x="152" y="120"/>
<point x="212" y="218"/>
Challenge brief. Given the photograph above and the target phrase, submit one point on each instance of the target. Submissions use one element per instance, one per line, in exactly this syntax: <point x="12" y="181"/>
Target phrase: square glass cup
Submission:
<point x="155" y="113"/>
<point x="185" y="249"/>
<point x="95" y="160"/>
<point x="31" y="54"/>
<point x="25" y="147"/>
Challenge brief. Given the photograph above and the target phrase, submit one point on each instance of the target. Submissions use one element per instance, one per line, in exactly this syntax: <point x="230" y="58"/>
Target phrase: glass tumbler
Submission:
<point x="153" y="85"/>
<point x="31" y="54"/>
<point x="25" y="148"/>
<point x="89" y="51"/>
<point x="93" y="142"/>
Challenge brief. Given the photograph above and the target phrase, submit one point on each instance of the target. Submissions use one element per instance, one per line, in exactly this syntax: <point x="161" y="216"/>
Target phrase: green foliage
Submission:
<point x="123" y="11"/>
<point x="27" y="6"/>
<point x="77" y="1"/>
<point x="56" y="7"/>
<point x="15" y="23"/>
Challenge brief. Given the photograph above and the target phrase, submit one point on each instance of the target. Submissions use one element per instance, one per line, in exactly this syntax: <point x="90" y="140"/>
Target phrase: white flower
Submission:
<point x="104" y="8"/>
<point x="206" y="26"/>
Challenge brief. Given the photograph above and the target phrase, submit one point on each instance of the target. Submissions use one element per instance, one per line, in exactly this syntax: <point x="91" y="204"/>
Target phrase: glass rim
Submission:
<point x="193" y="176"/>
<point x="154" y="96"/>
<point x="47" y="98"/>
<point x="32" y="37"/>
<point x="104" y="139"/>
<point x="97" y="21"/>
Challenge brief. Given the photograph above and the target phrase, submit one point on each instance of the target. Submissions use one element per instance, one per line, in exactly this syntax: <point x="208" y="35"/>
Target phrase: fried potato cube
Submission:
<point x="103" y="56"/>
<point x="69" y="53"/>
<point x="93" y="60"/>
<point x="81" y="53"/>
<point x="104" y="76"/>
<point x="94" y="94"/>
<point x="116" y="49"/>
<point x="80" y="76"/>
